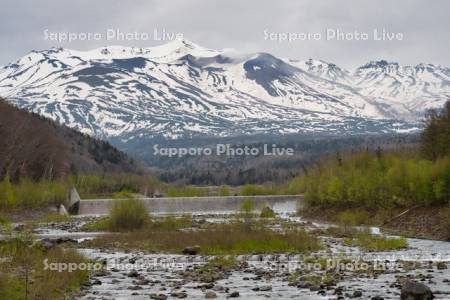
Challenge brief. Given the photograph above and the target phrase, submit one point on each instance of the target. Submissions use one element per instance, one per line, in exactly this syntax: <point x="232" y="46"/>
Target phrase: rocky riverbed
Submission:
<point x="338" y="271"/>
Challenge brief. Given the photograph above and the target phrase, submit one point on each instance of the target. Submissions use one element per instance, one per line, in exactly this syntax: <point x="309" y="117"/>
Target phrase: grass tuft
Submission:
<point x="372" y="242"/>
<point x="216" y="239"/>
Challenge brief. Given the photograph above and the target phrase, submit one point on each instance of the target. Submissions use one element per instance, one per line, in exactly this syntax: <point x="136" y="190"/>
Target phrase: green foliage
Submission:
<point x="171" y="223"/>
<point x="165" y="235"/>
<point x="187" y="191"/>
<point x="267" y="212"/>
<point x="373" y="181"/>
<point x="350" y="218"/>
<point x="23" y="274"/>
<point x="224" y="190"/>
<point x="436" y="136"/>
<point x="165" y="223"/>
<point x="219" y="262"/>
<point x="7" y="196"/>
<point x="93" y="186"/>
<point x="247" y="207"/>
<point x="254" y="190"/>
<point x="295" y="186"/>
<point x="30" y="194"/>
<point x="246" y="212"/>
<point x="54" y="218"/>
<point x="128" y="215"/>
<point x="100" y="224"/>
<point x="4" y="221"/>
<point x="124" y="194"/>
<point x="372" y="242"/>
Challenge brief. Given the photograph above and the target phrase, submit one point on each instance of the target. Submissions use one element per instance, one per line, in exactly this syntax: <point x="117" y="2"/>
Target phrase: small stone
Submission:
<point x="194" y="250"/>
<point x="133" y="273"/>
<point x="210" y="295"/>
<point x="179" y="295"/>
<point x="234" y="295"/>
<point x="314" y="288"/>
<point x="158" y="297"/>
<point x="357" y="294"/>
<point x="142" y="282"/>
<point x="208" y="286"/>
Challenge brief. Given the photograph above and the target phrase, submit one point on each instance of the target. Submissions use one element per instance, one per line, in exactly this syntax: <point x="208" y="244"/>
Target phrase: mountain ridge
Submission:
<point x="181" y="89"/>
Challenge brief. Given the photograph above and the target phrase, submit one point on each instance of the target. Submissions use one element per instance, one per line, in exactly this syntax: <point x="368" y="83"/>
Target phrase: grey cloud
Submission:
<point x="240" y="25"/>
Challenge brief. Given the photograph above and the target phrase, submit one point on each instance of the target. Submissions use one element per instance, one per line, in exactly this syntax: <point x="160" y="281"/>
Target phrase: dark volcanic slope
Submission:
<point x="39" y="148"/>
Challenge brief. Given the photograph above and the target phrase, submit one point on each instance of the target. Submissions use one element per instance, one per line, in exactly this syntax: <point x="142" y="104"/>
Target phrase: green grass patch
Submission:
<point x="185" y="191"/>
<point x="219" y="239"/>
<point x="372" y="242"/>
<point x="254" y="190"/>
<point x="267" y="212"/>
<point x="219" y="262"/>
<point x="23" y="273"/>
<point x="54" y="218"/>
<point x="164" y="223"/>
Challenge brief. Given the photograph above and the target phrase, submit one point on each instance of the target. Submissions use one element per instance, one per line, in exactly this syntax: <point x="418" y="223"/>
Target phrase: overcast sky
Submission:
<point x="422" y="25"/>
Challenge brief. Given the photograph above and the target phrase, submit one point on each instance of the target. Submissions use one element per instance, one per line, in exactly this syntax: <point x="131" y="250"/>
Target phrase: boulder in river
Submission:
<point x="191" y="250"/>
<point x="441" y="265"/>
<point x="412" y="290"/>
<point x="234" y="295"/>
<point x="158" y="296"/>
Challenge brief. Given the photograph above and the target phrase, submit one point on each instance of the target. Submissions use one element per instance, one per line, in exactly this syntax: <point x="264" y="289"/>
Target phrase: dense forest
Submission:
<point x="41" y="160"/>
<point x="38" y="148"/>
<point x="375" y="179"/>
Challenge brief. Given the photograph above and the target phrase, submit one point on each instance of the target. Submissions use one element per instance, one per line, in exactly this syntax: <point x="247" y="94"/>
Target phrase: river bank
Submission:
<point x="336" y="271"/>
<point x="416" y="222"/>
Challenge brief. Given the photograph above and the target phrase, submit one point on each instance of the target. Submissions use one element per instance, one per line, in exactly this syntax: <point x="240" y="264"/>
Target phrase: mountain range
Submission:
<point x="181" y="89"/>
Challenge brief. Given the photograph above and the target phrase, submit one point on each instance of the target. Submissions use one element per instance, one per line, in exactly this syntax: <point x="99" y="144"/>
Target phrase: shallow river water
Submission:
<point x="136" y="275"/>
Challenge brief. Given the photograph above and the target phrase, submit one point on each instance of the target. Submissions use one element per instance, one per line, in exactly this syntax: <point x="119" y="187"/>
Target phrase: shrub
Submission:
<point x="124" y="194"/>
<point x="30" y="194"/>
<point x="350" y="218"/>
<point x="366" y="180"/>
<point x="267" y="212"/>
<point x="7" y="196"/>
<point x="246" y="212"/>
<point x="92" y="185"/>
<point x="254" y="190"/>
<point x="128" y="215"/>
<point x="346" y="219"/>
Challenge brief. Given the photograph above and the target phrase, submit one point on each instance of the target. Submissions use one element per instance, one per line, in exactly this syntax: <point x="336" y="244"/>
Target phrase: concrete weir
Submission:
<point x="219" y="204"/>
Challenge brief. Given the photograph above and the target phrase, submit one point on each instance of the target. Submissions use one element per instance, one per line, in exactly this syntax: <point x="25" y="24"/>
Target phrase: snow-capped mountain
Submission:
<point x="182" y="89"/>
